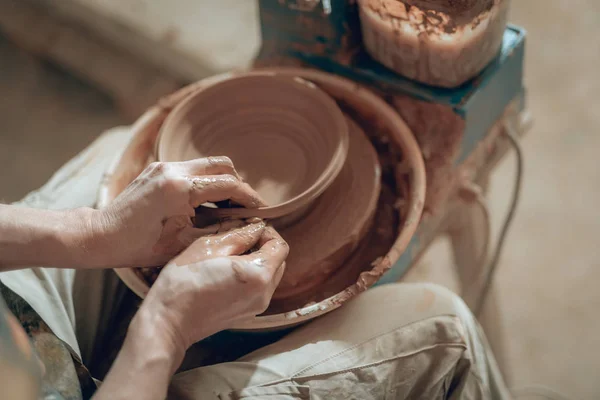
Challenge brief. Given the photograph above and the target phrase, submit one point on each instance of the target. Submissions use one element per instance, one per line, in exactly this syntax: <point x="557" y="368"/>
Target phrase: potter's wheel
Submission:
<point x="395" y="220"/>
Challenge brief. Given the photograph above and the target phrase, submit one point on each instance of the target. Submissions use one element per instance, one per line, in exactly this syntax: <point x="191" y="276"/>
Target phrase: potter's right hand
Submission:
<point x="150" y="222"/>
<point x="209" y="287"/>
<point x="215" y="284"/>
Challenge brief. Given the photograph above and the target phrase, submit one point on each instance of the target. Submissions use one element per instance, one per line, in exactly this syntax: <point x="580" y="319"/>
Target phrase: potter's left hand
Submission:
<point x="150" y="222"/>
<point x="145" y="226"/>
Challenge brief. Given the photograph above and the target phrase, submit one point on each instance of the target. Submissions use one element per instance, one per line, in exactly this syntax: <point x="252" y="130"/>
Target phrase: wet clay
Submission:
<point x="338" y="221"/>
<point x="460" y="11"/>
<point x="439" y="132"/>
<point x="371" y="249"/>
<point x="439" y="43"/>
<point x="286" y="138"/>
<point x="216" y="241"/>
<point x="398" y="213"/>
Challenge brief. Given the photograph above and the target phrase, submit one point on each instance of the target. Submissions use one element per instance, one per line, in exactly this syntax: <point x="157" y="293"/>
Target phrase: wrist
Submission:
<point x="153" y="339"/>
<point x="82" y="237"/>
<point x="145" y="364"/>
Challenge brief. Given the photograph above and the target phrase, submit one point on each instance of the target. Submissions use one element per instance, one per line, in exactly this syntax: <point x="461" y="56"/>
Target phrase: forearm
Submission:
<point x="30" y="237"/>
<point x="145" y="363"/>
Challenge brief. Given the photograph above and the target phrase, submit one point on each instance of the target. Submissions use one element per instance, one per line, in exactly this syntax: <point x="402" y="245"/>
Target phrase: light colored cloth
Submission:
<point x="51" y="291"/>
<point x="399" y="341"/>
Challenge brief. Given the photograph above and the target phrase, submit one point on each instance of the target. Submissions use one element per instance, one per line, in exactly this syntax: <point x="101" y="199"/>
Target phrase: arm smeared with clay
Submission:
<point x="147" y="225"/>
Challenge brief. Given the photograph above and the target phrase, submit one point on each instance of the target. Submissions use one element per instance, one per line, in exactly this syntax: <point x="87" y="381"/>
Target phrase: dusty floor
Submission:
<point x="551" y="267"/>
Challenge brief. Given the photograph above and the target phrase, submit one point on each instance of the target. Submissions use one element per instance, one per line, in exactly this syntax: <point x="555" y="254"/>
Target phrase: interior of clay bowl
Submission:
<point x="286" y="138"/>
<point x="399" y="204"/>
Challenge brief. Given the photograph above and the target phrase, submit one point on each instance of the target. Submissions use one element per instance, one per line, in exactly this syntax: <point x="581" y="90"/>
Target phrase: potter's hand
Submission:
<point x="195" y="296"/>
<point x="201" y="291"/>
<point x="150" y="222"/>
<point x="147" y="225"/>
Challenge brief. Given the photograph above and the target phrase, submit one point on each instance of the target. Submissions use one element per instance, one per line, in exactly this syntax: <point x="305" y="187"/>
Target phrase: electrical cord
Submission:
<point x="482" y="204"/>
<point x="509" y="132"/>
<point x="531" y="390"/>
<point x="511" y="135"/>
<point x="471" y="193"/>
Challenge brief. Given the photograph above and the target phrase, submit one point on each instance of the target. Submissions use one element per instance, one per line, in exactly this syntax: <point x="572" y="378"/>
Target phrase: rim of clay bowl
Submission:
<point x="319" y="99"/>
<point x="127" y="166"/>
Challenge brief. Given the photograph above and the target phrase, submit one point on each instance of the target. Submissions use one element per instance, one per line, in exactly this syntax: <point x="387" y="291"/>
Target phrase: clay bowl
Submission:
<point x="286" y="138"/>
<point x="328" y="234"/>
<point x="376" y="253"/>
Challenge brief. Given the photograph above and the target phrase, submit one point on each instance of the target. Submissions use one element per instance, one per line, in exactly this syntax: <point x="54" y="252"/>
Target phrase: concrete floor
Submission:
<point x="551" y="264"/>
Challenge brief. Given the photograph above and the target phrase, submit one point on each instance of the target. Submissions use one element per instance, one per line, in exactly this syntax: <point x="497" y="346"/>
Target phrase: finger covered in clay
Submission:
<point x="215" y="188"/>
<point x="224" y="243"/>
<point x="250" y="239"/>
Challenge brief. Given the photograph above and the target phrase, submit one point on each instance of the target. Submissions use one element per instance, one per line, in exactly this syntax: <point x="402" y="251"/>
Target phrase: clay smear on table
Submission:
<point x="437" y="42"/>
<point x="439" y="132"/>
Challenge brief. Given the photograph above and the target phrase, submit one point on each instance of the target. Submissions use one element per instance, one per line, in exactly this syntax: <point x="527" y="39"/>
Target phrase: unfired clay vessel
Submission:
<point x="286" y="138"/>
<point x="329" y="233"/>
<point x="437" y="42"/>
<point x="397" y="214"/>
